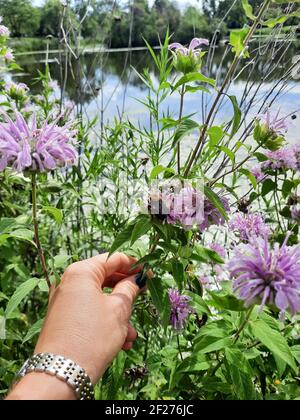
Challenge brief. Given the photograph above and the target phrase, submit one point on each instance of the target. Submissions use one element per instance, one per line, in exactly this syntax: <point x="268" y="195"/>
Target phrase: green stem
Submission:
<point x="236" y="338"/>
<point x="227" y="80"/>
<point x="180" y="118"/>
<point x="36" y="229"/>
<point x="179" y="348"/>
<point x="243" y="324"/>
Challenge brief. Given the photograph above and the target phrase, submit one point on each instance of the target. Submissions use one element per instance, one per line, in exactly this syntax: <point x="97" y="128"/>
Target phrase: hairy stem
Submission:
<point x="36" y="228"/>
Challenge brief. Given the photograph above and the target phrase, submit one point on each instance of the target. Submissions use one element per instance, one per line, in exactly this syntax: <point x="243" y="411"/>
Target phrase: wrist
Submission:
<point x="41" y="386"/>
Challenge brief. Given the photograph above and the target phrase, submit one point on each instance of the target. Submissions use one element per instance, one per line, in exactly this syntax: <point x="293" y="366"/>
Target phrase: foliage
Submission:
<point x="229" y="345"/>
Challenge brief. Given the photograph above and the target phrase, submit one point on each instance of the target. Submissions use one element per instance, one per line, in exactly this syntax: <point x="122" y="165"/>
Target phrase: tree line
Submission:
<point x="120" y="24"/>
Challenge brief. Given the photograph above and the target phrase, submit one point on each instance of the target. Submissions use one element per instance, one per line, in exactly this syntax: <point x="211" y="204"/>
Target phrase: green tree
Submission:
<point x="165" y="15"/>
<point x="20" y="16"/>
<point x="51" y="18"/>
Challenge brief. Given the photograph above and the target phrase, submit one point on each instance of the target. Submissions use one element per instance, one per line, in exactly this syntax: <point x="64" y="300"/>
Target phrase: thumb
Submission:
<point x="131" y="287"/>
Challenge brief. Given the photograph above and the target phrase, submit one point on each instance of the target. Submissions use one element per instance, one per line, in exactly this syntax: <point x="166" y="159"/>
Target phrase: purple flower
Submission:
<point x="219" y="249"/>
<point x="192" y="48"/>
<point x="186" y="207"/>
<point x="295" y="212"/>
<point x="180" y="309"/>
<point x="257" y="172"/>
<point x="4" y="31"/>
<point x="25" y="146"/>
<point x="212" y="215"/>
<point x="53" y="84"/>
<point x="284" y="158"/>
<point x="273" y="123"/>
<point x="9" y="56"/>
<point x="16" y="90"/>
<point x="267" y="276"/>
<point x="248" y="225"/>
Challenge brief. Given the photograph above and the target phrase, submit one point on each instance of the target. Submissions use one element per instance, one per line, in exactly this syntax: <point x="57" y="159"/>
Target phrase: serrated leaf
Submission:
<point x="160" y="298"/>
<point x="141" y="227"/>
<point x="208" y="344"/>
<point x="274" y="341"/>
<point x="228" y="302"/>
<point x="21" y="292"/>
<point x="241" y="374"/>
<point x="55" y="213"/>
<point x="123" y="237"/>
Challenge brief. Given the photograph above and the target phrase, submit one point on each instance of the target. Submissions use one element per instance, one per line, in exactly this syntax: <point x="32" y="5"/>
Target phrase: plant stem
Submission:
<point x="180" y="118"/>
<point x="236" y="338"/>
<point x="227" y="80"/>
<point x="179" y="349"/>
<point x="243" y="324"/>
<point x="36" y="228"/>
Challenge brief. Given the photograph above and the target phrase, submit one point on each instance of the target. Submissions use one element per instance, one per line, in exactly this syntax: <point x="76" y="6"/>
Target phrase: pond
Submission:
<point x="110" y="87"/>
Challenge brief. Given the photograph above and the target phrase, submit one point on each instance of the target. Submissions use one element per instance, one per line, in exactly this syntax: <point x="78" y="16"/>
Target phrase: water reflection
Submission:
<point x="108" y="83"/>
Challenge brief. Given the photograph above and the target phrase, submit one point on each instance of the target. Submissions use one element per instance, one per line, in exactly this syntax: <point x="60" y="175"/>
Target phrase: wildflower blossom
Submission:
<point x="270" y="130"/>
<point x="257" y="172"/>
<point x="284" y="158"/>
<point x="212" y="215"/>
<point x="4" y="31"/>
<point x="191" y="49"/>
<point x="16" y="91"/>
<point x="295" y="213"/>
<point x="186" y="207"/>
<point x="53" y="84"/>
<point x="188" y="59"/>
<point x="180" y="309"/>
<point x="9" y="56"/>
<point x="267" y="276"/>
<point x="25" y="146"/>
<point x="248" y="225"/>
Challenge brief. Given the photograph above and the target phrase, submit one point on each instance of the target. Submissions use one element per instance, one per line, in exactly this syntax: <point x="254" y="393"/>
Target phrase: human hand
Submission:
<point x="87" y="325"/>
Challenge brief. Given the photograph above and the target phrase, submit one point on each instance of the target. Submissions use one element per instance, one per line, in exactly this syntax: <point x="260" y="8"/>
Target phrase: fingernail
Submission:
<point x="141" y="280"/>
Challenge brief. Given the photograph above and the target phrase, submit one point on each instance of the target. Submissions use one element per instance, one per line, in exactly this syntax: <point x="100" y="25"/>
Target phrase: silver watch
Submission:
<point x="64" y="369"/>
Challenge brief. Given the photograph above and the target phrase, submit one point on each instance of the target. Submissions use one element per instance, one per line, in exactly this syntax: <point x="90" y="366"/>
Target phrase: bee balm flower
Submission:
<point x="188" y="59"/>
<point x="25" y="146"/>
<point x="267" y="276"/>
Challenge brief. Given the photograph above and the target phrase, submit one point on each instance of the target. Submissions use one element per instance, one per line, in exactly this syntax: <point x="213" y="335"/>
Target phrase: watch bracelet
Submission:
<point x="64" y="369"/>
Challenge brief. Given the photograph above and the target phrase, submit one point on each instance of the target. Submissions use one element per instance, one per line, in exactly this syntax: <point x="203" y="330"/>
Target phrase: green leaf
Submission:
<point x="207" y="255"/>
<point x="55" y="213"/>
<point x="34" y="330"/>
<point x="198" y="303"/>
<point x="141" y="227"/>
<point x="2" y="328"/>
<point x="185" y="127"/>
<point x="271" y="23"/>
<point x="194" y="77"/>
<point x="61" y="260"/>
<point x="274" y="341"/>
<point x="216" y="201"/>
<point x="228" y="152"/>
<point x="241" y="374"/>
<point x="160" y="298"/>
<point x="215" y="135"/>
<point x="123" y="237"/>
<point x="287" y="188"/>
<point x="237" y="41"/>
<point x="21" y="234"/>
<point x="196" y="89"/>
<point x="21" y="292"/>
<point x="192" y="365"/>
<point x="268" y="186"/>
<point x="156" y="171"/>
<point x="178" y="273"/>
<point x="250" y="176"/>
<point x="236" y="121"/>
<point x="248" y="9"/>
<point x="226" y="302"/>
<point x="208" y="344"/>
